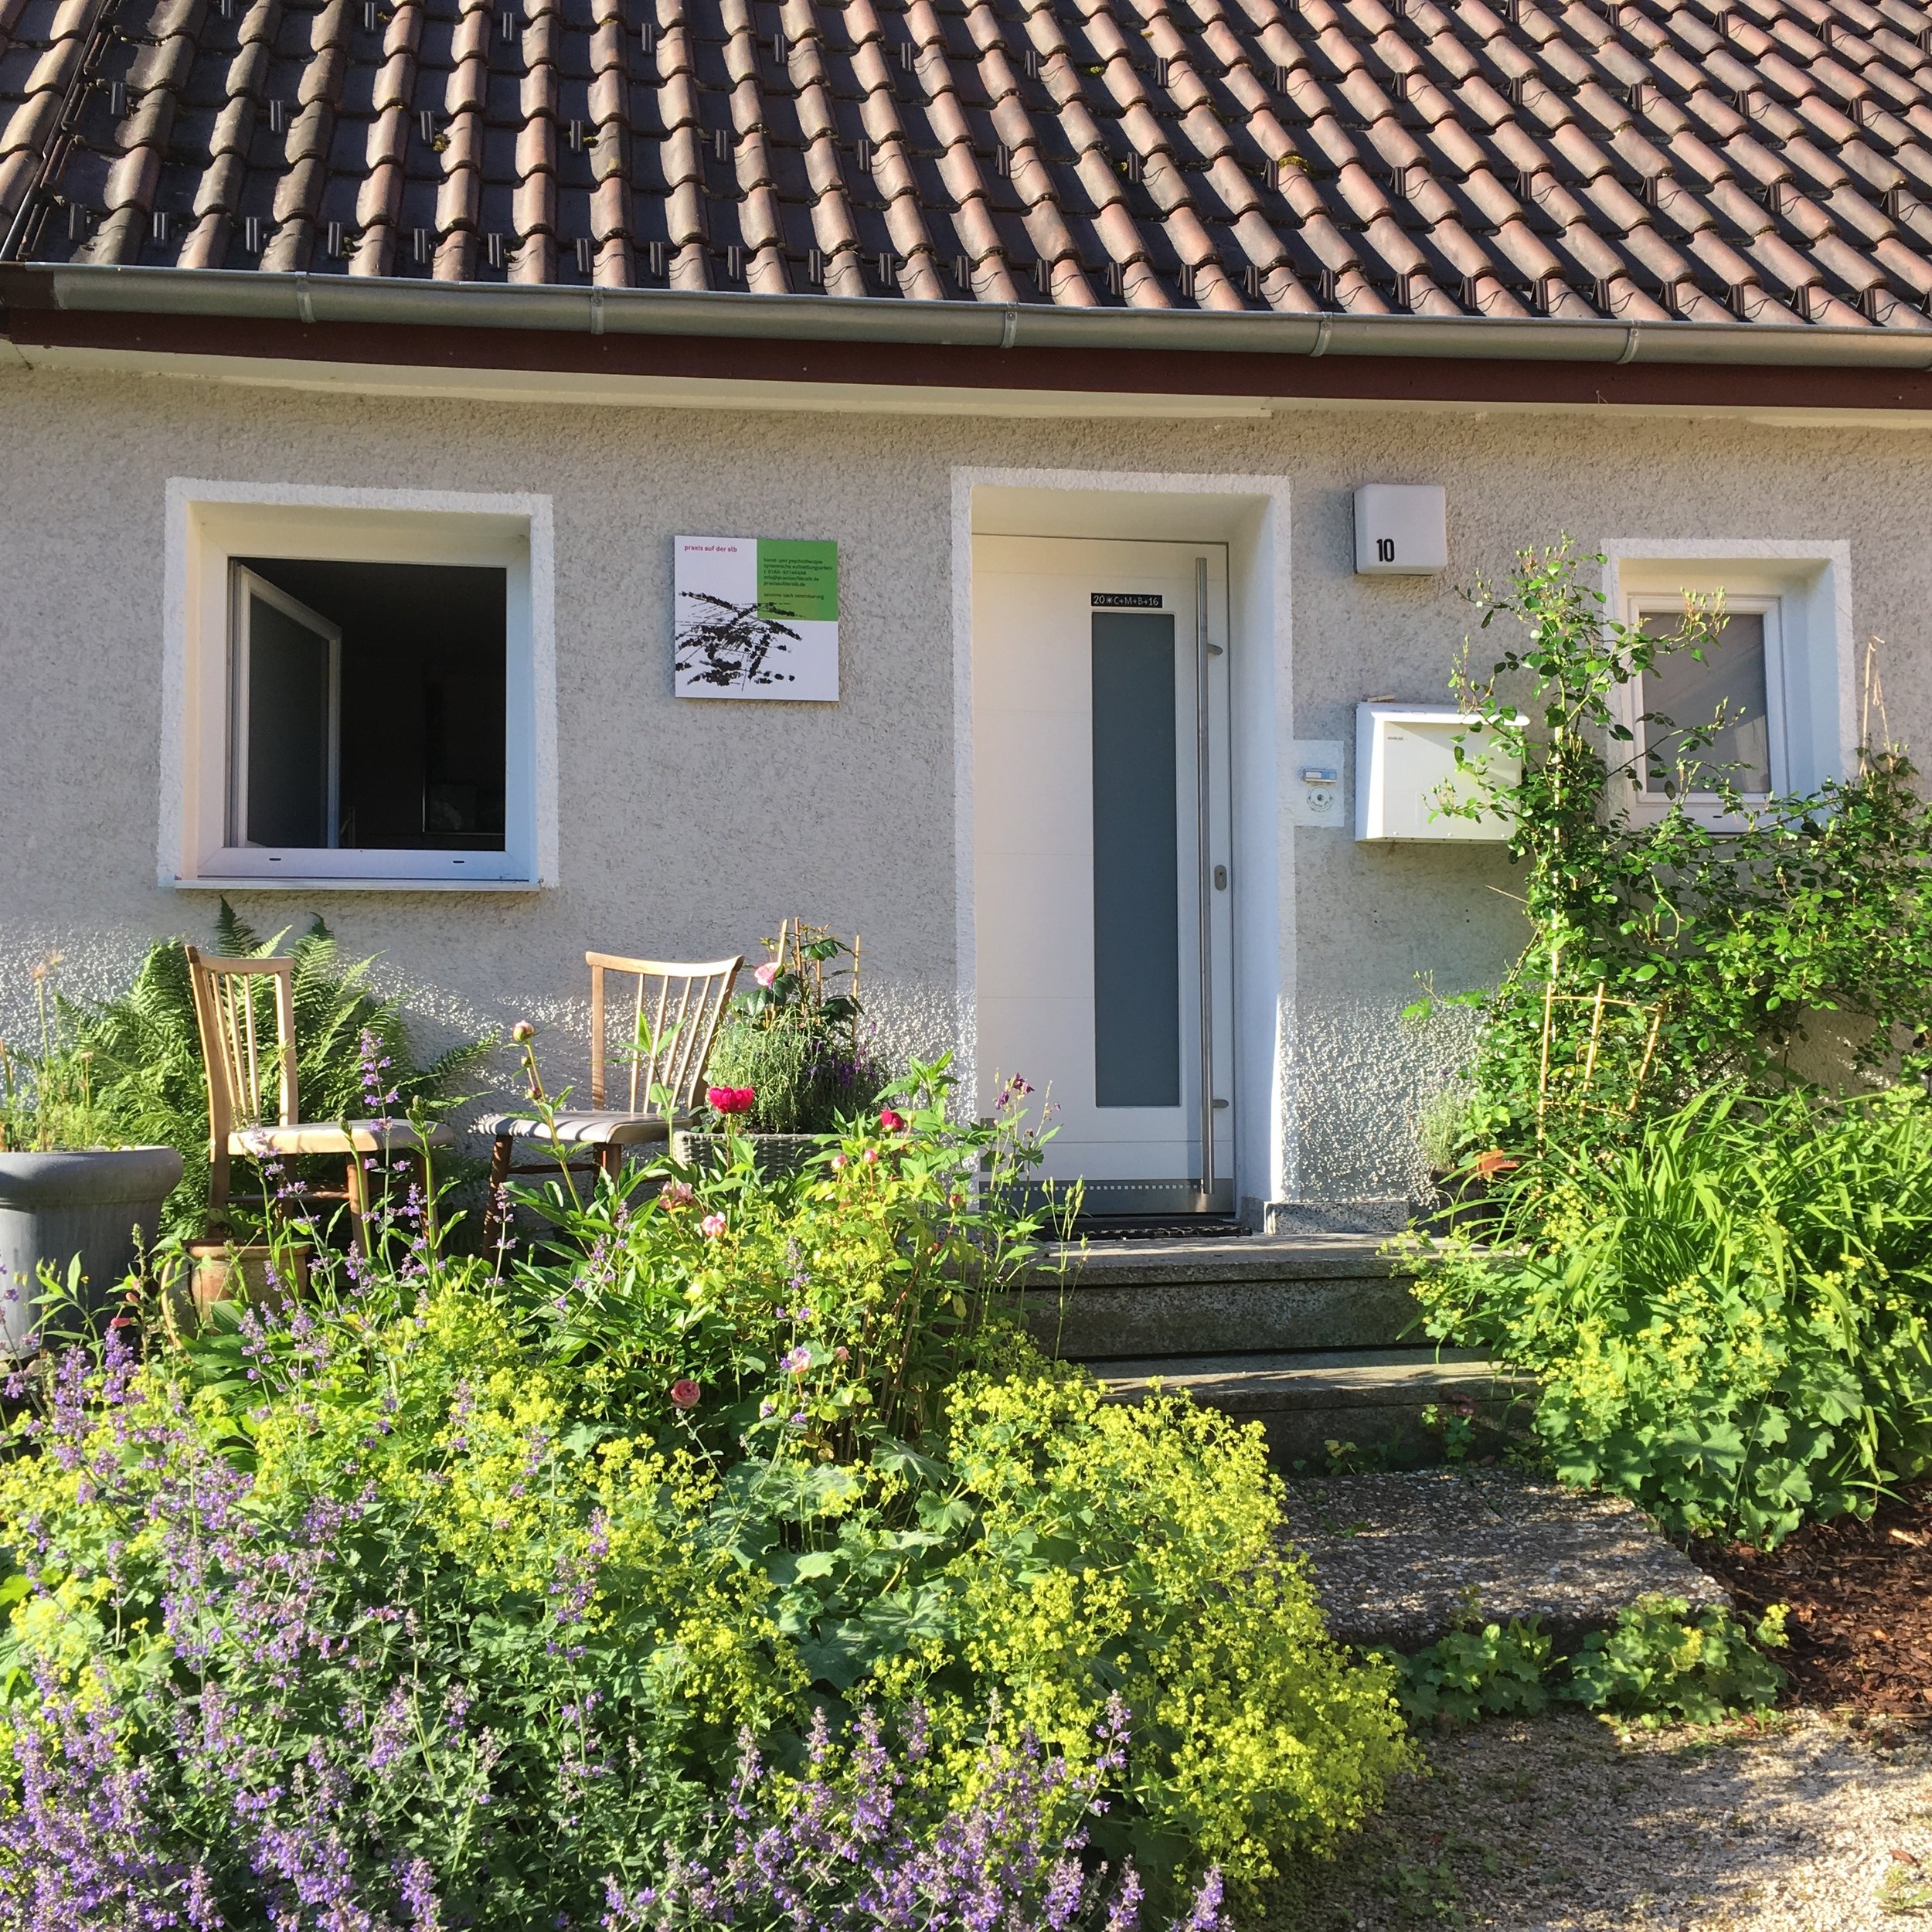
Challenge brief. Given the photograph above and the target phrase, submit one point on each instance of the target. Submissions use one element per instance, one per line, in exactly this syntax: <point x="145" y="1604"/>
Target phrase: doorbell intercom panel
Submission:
<point x="1401" y="530"/>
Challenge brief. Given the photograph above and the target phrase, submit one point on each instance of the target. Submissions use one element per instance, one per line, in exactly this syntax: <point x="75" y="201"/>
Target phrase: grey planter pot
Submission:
<point x="55" y="1206"/>
<point x="775" y="1153"/>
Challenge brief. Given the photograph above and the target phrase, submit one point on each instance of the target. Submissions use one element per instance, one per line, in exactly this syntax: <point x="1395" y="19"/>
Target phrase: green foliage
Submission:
<point x="1661" y="1662"/>
<point x="797" y="1038"/>
<point x="714" y="1454"/>
<point x="47" y="1098"/>
<point x="1718" y="1275"/>
<point x="1486" y="1670"/>
<point x="147" y="1053"/>
<point x="1728" y="1318"/>
<point x="1713" y="936"/>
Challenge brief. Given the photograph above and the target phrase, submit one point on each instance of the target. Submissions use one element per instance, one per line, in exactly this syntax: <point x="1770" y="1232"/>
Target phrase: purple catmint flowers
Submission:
<point x="864" y="1843"/>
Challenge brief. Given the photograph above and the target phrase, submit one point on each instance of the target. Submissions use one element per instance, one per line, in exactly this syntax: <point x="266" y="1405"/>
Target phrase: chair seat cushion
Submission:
<point x="580" y="1129"/>
<point x="338" y="1137"/>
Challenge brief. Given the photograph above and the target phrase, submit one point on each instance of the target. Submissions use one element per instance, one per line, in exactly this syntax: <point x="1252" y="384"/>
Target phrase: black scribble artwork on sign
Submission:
<point x="728" y="644"/>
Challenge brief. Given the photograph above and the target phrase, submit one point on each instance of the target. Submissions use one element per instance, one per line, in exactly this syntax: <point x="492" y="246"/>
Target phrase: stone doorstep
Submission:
<point x="1139" y="1299"/>
<point x="1305" y="1399"/>
<point x="1393" y="1557"/>
<point x="1325" y="1257"/>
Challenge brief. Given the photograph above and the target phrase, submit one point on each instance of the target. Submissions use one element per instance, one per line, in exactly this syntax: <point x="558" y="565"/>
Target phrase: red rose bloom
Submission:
<point x="728" y="1100"/>
<point x="892" y="1123"/>
<point x="684" y="1392"/>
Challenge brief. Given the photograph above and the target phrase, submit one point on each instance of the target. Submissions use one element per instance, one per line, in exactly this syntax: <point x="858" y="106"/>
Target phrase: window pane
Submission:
<point x="1688" y="692"/>
<point x="1136" y="939"/>
<point x="287" y="730"/>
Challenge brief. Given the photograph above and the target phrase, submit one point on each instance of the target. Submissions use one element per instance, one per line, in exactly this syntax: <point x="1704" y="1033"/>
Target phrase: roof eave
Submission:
<point x="254" y="295"/>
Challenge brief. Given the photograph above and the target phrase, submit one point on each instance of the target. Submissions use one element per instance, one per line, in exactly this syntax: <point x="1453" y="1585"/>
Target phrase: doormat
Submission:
<point x="1157" y="1227"/>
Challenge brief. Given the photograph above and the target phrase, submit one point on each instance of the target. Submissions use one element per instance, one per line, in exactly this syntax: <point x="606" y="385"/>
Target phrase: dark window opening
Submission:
<point x="368" y="700"/>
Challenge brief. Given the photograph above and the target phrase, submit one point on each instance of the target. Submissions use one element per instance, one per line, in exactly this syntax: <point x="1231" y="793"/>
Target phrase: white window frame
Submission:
<point x="245" y="586"/>
<point x="1810" y="670"/>
<point x="212" y="524"/>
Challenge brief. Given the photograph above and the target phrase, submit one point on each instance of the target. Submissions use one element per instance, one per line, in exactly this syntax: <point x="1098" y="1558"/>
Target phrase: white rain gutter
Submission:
<point x="252" y="295"/>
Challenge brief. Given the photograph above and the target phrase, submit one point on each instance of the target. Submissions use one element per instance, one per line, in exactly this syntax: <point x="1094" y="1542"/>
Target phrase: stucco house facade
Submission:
<point x="365" y="368"/>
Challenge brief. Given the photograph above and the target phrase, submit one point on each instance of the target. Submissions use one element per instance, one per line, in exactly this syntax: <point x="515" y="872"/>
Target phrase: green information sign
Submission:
<point x="798" y="579"/>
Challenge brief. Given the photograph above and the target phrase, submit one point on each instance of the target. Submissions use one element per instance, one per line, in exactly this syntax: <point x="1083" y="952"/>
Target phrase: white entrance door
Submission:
<point x="1103" y="933"/>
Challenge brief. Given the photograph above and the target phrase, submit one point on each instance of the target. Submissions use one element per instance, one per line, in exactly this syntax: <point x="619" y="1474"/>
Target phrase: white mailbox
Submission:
<point x="1404" y="756"/>
<point x="1401" y="530"/>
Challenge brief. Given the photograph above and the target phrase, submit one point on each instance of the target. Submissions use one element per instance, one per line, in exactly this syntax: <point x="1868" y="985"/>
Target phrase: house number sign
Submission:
<point x="756" y="616"/>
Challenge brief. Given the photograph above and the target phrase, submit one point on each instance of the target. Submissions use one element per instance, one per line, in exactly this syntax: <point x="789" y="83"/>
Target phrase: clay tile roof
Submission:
<point x="1761" y="160"/>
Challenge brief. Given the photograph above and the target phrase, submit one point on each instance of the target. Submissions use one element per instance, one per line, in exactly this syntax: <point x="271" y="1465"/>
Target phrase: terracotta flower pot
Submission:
<point x="251" y="1273"/>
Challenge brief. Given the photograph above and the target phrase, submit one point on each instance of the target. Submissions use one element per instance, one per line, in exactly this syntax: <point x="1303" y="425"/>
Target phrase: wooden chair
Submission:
<point x="674" y="1012"/>
<point x="258" y="1121"/>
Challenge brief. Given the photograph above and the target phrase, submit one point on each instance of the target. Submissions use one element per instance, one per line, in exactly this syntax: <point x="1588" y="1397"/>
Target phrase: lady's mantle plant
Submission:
<point x="451" y="1598"/>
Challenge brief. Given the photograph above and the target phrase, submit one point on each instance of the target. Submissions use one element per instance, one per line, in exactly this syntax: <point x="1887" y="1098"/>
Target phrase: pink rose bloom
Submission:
<point x="767" y="972"/>
<point x="795" y="1362"/>
<point x="677" y="1194"/>
<point x="871" y="1154"/>
<point x="838" y="1161"/>
<point x="892" y="1123"/>
<point x="713" y="1226"/>
<point x="684" y="1392"/>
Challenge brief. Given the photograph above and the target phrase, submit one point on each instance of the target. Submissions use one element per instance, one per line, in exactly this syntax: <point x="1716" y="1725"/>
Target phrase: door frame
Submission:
<point x="1250" y="515"/>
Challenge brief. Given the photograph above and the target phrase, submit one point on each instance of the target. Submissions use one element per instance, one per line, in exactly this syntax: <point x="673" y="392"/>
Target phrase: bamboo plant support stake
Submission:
<point x="1650" y="1047"/>
<point x="1543" y="1070"/>
<point x="1596" y="1034"/>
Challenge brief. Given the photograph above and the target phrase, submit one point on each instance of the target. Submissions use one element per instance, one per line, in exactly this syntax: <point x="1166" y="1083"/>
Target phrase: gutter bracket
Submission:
<point x="596" y="311"/>
<point x="1322" y="337"/>
<point x="1629" y="344"/>
<point x="1008" y="325"/>
<point x="304" y="300"/>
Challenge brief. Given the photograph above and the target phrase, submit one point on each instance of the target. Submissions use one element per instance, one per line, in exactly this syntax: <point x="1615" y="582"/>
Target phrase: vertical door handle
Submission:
<point x="1207" y="875"/>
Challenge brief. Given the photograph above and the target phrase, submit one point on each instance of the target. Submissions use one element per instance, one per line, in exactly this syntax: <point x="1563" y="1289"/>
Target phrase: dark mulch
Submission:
<point x="1860" y="1601"/>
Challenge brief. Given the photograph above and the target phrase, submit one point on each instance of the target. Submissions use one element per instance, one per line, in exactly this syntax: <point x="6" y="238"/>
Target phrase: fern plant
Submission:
<point x="147" y="1062"/>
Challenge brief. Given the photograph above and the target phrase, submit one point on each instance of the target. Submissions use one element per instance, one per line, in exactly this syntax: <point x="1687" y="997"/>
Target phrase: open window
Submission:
<point x="369" y="707"/>
<point x="365" y="698"/>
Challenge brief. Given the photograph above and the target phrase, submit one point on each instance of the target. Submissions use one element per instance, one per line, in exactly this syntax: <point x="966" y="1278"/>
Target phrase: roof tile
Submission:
<point x="1220" y="154"/>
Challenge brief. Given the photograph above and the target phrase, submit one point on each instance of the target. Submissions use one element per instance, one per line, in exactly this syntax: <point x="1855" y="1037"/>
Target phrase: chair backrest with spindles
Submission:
<point x="235" y="999"/>
<point x="674" y="1012"/>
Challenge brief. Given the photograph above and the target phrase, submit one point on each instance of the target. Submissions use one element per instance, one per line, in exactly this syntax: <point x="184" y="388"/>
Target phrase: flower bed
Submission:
<point x="727" y="1554"/>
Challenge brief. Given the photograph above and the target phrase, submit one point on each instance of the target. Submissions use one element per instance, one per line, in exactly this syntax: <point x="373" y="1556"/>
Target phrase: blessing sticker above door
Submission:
<point x="1126" y="600"/>
<point x="757" y="617"/>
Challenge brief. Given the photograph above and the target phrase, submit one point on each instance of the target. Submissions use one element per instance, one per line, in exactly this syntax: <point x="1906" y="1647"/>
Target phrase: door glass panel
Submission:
<point x="288" y="750"/>
<point x="1137" y="944"/>
<point x="1687" y="692"/>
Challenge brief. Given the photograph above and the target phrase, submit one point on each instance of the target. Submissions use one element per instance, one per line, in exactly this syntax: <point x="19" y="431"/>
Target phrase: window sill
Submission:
<point x="257" y="882"/>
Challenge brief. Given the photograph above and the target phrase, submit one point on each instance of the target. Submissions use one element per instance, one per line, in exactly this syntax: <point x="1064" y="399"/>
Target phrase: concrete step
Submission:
<point x="1118" y="1300"/>
<point x="1396" y="1557"/>
<point x="1304" y="1399"/>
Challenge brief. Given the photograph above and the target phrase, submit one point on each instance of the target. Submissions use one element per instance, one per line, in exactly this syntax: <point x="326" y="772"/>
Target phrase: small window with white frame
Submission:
<point x="1782" y="667"/>
<point x="363" y="692"/>
<point x="1710" y="714"/>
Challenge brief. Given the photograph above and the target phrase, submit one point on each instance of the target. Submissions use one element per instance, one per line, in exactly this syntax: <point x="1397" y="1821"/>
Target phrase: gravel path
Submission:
<point x="1552" y="1825"/>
